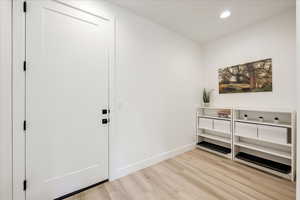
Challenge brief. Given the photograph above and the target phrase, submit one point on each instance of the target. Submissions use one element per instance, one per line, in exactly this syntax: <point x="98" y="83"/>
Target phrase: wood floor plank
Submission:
<point x="195" y="175"/>
<point x="246" y="175"/>
<point x="215" y="186"/>
<point x="221" y="174"/>
<point x="250" y="177"/>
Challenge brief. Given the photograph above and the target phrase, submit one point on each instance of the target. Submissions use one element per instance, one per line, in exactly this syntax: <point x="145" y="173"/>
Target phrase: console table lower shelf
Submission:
<point x="279" y="167"/>
<point x="217" y="149"/>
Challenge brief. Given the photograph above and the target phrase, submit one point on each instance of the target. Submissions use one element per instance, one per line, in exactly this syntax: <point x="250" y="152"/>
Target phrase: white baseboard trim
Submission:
<point x="150" y="161"/>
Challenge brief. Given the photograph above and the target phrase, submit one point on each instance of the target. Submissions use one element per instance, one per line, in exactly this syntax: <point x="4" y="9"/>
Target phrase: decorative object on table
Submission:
<point x="206" y="97"/>
<point x="276" y="120"/>
<point x="261" y="119"/>
<point x="245" y="117"/>
<point x="249" y="77"/>
<point x="224" y="113"/>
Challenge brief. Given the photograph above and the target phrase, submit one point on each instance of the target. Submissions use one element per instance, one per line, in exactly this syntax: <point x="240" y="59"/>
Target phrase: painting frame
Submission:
<point x="256" y="76"/>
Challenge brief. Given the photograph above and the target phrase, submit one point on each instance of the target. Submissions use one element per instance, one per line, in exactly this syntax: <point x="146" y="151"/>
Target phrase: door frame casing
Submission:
<point x="19" y="86"/>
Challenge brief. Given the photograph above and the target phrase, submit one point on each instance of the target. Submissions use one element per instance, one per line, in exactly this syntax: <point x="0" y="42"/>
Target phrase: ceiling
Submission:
<point x="199" y="19"/>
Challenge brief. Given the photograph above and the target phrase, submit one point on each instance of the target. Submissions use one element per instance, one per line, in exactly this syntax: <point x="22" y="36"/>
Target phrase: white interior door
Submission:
<point x="67" y="87"/>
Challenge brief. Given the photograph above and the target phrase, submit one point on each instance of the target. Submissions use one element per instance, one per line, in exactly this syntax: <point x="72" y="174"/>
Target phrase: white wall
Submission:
<point x="5" y="101"/>
<point x="158" y="80"/>
<point x="274" y="38"/>
<point x="157" y="85"/>
<point x="158" y="76"/>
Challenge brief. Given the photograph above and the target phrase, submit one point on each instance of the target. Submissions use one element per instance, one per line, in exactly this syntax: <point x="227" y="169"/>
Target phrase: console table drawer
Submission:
<point x="273" y="134"/>
<point x="245" y="130"/>
<point x="205" y="123"/>
<point x="222" y="126"/>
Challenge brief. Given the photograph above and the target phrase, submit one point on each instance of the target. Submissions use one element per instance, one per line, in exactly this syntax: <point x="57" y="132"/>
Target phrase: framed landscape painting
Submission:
<point x="249" y="77"/>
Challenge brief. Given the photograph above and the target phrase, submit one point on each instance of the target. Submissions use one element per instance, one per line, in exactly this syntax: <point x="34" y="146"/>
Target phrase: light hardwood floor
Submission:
<point x="195" y="175"/>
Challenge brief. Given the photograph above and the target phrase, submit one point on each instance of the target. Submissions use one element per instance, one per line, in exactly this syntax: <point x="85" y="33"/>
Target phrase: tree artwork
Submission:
<point x="249" y="77"/>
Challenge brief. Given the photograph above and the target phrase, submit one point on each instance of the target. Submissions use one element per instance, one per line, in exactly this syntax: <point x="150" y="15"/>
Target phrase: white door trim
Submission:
<point x="18" y="90"/>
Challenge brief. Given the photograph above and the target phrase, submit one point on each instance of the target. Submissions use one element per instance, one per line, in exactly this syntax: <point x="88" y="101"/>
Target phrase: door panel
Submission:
<point x="67" y="87"/>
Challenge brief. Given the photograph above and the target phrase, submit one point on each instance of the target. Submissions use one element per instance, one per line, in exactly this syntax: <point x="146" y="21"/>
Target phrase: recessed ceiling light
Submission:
<point x="225" y="14"/>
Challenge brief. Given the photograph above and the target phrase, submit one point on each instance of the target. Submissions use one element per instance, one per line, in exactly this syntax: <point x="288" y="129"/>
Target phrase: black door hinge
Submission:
<point x="25" y="185"/>
<point x="24" y="66"/>
<point x="24" y="6"/>
<point x="24" y="125"/>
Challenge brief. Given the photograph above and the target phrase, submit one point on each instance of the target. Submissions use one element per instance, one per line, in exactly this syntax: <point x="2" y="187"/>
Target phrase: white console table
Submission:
<point x="251" y="136"/>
